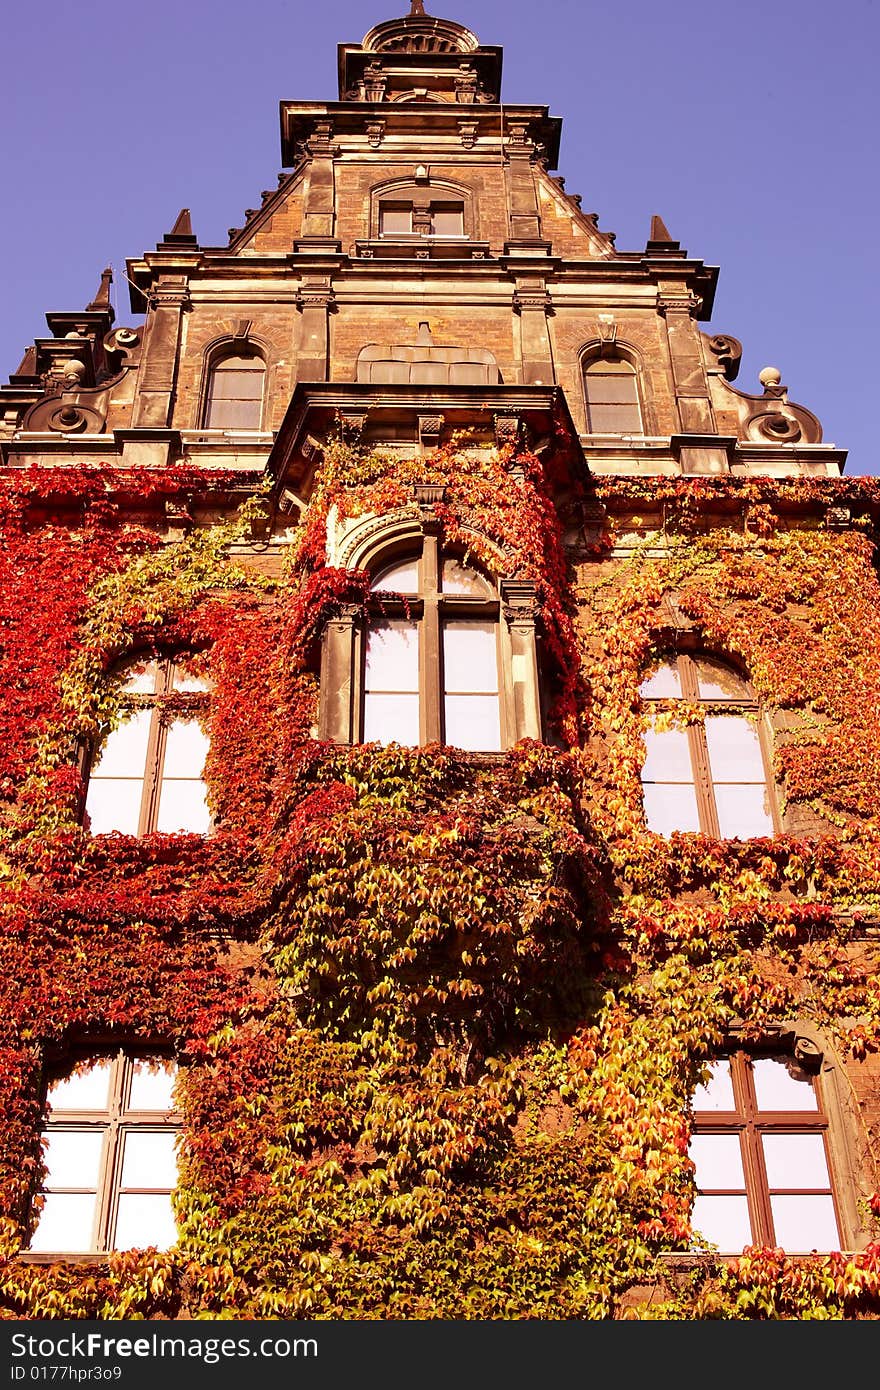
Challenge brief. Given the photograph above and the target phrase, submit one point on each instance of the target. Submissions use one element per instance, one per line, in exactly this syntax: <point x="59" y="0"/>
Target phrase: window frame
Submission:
<point x="429" y="608"/>
<point x="422" y="199"/>
<point x="749" y="1123"/>
<point x="165" y="705"/>
<point x="747" y="708"/>
<point x="593" y="365"/>
<point x="238" y="352"/>
<point x="114" y="1123"/>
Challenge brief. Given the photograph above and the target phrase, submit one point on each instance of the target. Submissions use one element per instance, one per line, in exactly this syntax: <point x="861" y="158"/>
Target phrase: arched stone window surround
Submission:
<point x="848" y="1152"/>
<point x="696" y="777"/>
<point x="595" y="351"/>
<point x="220" y="350"/>
<point x="422" y="194"/>
<point x="379" y="543"/>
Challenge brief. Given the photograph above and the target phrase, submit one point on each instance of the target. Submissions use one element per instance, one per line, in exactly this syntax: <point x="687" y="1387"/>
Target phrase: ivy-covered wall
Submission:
<point x="438" y="1016"/>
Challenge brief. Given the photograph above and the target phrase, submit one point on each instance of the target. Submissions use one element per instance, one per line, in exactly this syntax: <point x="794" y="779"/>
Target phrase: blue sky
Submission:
<point x="751" y="128"/>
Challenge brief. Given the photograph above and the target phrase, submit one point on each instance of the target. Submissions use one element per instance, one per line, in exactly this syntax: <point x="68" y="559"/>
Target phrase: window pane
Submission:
<point x="734" y="749"/>
<point x="796" y="1160"/>
<point x="448" y="221"/>
<point x="393" y="657"/>
<point x="66" y="1223"/>
<point x="152" y="1085"/>
<point x="234" y="415"/>
<point x="112" y="804"/>
<point x="395" y="220"/>
<point x="718" y="1161"/>
<point x="665" y="684"/>
<point x="724" y="1221"/>
<point x="144" y="1220"/>
<point x="782" y="1085"/>
<point x="802" y="1224"/>
<point x="607" y="390"/>
<point x="717" y="682"/>
<point x="668" y="757"/>
<point x="237" y="383"/>
<point x="141" y="679"/>
<point x="149" y="1159"/>
<point x="614" y="419"/>
<point x="669" y="807"/>
<point x="743" y="811"/>
<point x="402" y="578"/>
<point x="473" y="722"/>
<point x="458" y="579"/>
<point x="392" y="719"/>
<point x="186" y="747"/>
<point x="124" y="753"/>
<point x="183" y="808"/>
<point x="73" y="1157"/>
<point x="717" y="1092"/>
<point x="82" y="1090"/>
<point x="470" y="657"/>
<point x="186" y="681"/>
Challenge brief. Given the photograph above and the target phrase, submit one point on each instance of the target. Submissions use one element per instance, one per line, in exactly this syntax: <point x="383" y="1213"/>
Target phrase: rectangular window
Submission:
<point x="759" y="1147"/>
<point x="109" y="1156"/>
<point x="447" y="219"/>
<point x="471" y="713"/>
<point x="391" y="684"/>
<point x="395" y="219"/>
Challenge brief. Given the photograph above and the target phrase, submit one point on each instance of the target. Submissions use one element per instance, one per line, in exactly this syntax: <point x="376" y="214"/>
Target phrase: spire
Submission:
<point x="416" y="7"/>
<point x="181" y="234"/>
<point x="660" y="242"/>
<point x="102" y="298"/>
<point x="659" y="231"/>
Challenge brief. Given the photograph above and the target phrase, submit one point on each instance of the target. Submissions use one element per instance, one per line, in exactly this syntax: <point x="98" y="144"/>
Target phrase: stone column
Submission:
<point x="319" y="214"/>
<point x="679" y="308"/>
<point x="154" y="401"/>
<point x="519" y="605"/>
<point x="522" y="199"/>
<point x="315" y="301"/>
<point x="533" y="304"/>
<point x="338" y="720"/>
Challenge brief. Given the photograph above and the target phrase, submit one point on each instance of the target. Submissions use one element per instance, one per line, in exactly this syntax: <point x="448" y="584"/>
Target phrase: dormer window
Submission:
<point x="429" y="219"/>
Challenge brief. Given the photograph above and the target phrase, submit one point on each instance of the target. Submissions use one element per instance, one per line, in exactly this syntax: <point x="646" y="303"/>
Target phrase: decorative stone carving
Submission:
<point x="467" y="131"/>
<point x="728" y="352"/>
<point x="429" y="494"/>
<point x="678" y="303"/>
<point x="375" y="133"/>
<point x="429" y="430"/>
<point x="519" y="604"/>
<point x="508" y="430"/>
<point x="606" y="331"/>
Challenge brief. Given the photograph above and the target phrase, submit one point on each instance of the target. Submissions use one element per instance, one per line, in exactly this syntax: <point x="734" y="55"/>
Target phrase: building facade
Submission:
<point x="441" y="839"/>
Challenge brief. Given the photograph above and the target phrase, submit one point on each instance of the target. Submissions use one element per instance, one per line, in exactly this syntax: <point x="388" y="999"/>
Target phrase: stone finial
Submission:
<point x="659" y="231"/>
<point x="660" y="243"/>
<point x="181" y="233"/>
<point x="769" y="376"/>
<point x="416" y="7"/>
<point x="102" y="298"/>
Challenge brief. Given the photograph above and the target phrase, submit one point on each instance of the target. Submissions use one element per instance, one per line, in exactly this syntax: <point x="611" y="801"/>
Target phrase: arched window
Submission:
<point x="431" y="658"/>
<point x="611" y="388"/>
<point x="707" y="768"/>
<point x="760" y="1147"/>
<point x="147" y="775"/>
<point x="234" y="398"/>
<point x="110" y="1158"/>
